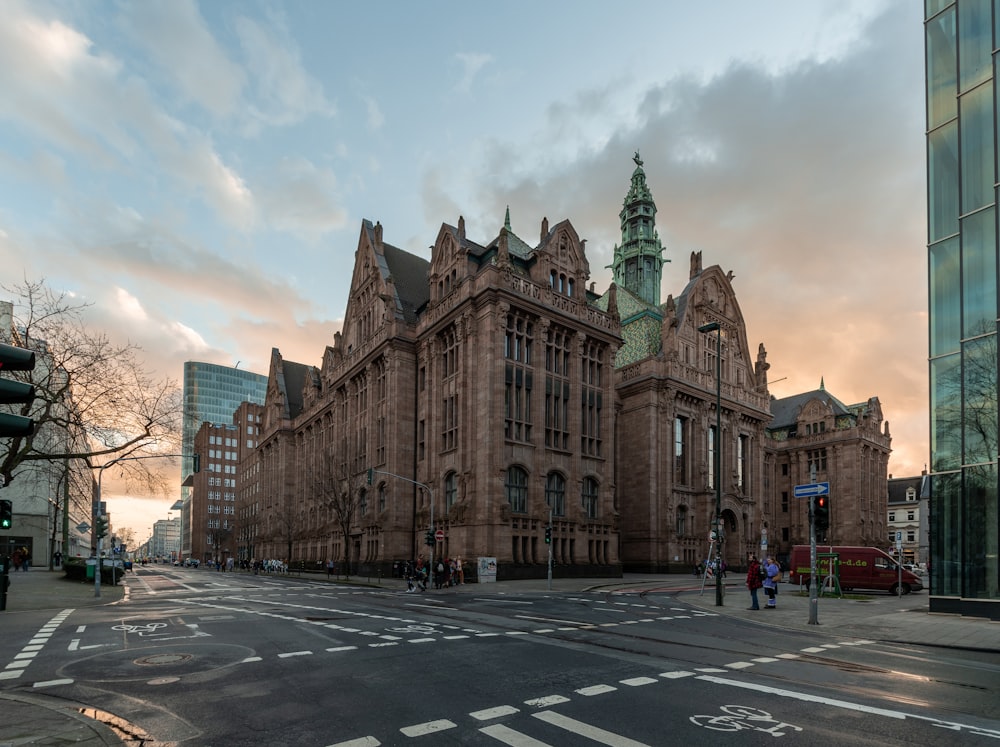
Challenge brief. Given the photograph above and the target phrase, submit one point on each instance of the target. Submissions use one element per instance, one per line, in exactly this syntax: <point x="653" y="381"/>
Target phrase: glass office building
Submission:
<point x="961" y="57"/>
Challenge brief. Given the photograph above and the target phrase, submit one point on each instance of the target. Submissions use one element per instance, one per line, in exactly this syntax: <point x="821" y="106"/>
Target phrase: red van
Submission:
<point x="860" y="568"/>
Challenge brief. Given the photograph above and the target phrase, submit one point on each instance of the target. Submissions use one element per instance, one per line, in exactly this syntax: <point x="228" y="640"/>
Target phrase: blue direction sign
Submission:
<point x="814" y="488"/>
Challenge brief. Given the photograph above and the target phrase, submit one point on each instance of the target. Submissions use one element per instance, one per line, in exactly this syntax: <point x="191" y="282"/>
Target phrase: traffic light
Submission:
<point x="6" y="514"/>
<point x="16" y="392"/>
<point x="101" y="526"/>
<point x="821" y="514"/>
<point x="429" y="539"/>
<point x="548" y="535"/>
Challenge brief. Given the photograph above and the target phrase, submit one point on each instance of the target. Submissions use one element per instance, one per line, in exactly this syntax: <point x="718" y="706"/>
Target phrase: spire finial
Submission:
<point x="822" y="385"/>
<point x="638" y="161"/>
<point x="506" y="220"/>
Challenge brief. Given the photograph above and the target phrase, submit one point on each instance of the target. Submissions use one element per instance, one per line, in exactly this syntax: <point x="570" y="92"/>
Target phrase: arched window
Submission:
<point x="450" y="490"/>
<point x="517" y="489"/>
<point x="555" y="493"/>
<point x="682" y="515"/>
<point x="363" y="502"/>
<point x="590" y="497"/>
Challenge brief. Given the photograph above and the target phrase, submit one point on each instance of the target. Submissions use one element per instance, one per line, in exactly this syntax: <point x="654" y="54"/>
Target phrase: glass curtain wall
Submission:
<point x="962" y="167"/>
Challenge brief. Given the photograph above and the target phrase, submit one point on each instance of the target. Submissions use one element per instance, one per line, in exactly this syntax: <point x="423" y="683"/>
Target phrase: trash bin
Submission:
<point x="90" y="572"/>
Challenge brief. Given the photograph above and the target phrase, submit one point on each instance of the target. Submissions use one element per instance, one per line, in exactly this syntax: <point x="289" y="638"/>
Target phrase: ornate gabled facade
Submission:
<point x="479" y="382"/>
<point x="666" y="387"/>
<point x="813" y="437"/>
<point x="491" y="394"/>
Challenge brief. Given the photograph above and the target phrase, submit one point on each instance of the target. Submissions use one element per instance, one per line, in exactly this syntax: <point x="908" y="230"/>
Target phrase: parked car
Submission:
<point x="857" y="568"/>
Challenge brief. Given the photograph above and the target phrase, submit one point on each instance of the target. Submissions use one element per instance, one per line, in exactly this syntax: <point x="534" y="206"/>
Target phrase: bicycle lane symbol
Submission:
<point x="738" y="718"/>
<point x="142" y="630"/>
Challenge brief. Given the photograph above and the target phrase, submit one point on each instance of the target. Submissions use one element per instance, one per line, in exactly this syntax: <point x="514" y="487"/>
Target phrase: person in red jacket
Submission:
<point x="754" y="581"/>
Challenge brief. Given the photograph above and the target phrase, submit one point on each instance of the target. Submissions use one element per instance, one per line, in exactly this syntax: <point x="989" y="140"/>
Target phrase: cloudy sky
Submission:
<point x="200" y="171"/>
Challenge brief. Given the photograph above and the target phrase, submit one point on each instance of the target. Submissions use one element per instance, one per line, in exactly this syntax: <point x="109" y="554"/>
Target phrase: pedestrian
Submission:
<point x="329" y="568"/>
<point x="408" y="575"/>
<point x="57" y="558"/>
<point x="772" y="572"/>
<point x="754" y="581"/>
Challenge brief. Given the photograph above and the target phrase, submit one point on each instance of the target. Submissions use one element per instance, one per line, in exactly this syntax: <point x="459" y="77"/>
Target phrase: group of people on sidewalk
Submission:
<point x="447" y="572"/>
<point x="764" y="575"/>
<point x="20" y="559"/>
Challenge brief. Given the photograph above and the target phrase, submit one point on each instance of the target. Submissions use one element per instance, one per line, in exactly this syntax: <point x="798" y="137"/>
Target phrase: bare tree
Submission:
<point x="126" y="536"/>
<point x="217" y="538"/>
<point x="86" y="385"/>
<point x="342" y="500"/>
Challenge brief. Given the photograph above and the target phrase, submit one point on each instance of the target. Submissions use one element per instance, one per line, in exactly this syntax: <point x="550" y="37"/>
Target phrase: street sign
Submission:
<point x="83" y="527"/>
<point x="814" y="488"/>
<point x="439" y="535"/>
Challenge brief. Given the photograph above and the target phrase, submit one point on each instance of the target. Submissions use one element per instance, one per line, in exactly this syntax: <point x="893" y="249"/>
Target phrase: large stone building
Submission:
<point x="814" y="437"/>
<point x="491" y="392"/>
<point x="479" y="386"/>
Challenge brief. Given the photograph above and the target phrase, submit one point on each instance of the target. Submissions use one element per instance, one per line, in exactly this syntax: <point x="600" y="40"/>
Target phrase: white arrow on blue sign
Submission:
<point x="814" y="488"/>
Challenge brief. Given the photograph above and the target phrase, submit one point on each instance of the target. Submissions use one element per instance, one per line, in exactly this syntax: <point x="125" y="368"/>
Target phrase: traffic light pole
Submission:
<point x="813" y="590"/>
<point x="550" y="549"/>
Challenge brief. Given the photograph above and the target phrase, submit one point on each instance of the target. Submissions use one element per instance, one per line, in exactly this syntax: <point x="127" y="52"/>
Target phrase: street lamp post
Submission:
<point x="717" y="455"/>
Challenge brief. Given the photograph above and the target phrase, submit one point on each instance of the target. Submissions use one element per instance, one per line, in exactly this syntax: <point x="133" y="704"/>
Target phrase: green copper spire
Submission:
<point x="638" y="263"/>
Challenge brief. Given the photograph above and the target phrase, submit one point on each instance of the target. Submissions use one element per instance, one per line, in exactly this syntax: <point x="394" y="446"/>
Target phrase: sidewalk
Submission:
<point x="31" y="718"/>
<point x="42" y="589"/>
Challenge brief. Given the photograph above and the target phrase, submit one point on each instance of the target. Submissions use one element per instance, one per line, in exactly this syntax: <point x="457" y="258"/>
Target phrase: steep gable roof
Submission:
<point x="785" y="411"/>
<point x="409" y="275"/>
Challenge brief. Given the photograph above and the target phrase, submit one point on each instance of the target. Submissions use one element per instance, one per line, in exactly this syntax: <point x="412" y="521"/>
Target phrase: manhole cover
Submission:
<point x="163" y="659"/>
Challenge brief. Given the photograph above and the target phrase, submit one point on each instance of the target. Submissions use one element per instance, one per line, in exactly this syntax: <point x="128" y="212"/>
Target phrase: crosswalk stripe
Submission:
<point x="430" y="727"/>
<point x="586" y="730"/>
<point x="510" y="737"/>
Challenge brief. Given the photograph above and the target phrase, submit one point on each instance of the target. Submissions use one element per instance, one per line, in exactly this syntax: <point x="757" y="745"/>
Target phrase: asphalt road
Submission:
<point x="202" y="658"/>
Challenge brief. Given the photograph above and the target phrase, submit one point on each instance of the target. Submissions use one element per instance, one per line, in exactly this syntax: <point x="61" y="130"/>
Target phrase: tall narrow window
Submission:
<point x="517" y="489"/>
<point x="449" y="353"/>
<point x="450" y="489"/>
<point x="555" y="493"/>
<point x="449" y="423"/>
<point x="742" y="455"/>
<point x="590" y="496"/>
<point x="592" y="399"/>
<point x="518" y="377"/>
<point x="557" y="357"/>
<point x="680" y="450"/>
